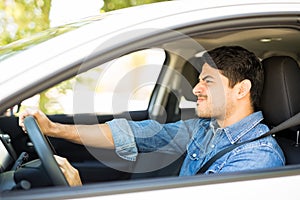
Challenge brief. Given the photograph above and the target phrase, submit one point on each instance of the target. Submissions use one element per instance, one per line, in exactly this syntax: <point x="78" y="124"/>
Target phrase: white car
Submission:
<point x="137" y="63"/>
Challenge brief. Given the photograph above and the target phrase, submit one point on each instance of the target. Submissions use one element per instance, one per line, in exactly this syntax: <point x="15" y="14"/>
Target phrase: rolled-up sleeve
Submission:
<point x="123" y="139"/>
<point x="148" y="136"/>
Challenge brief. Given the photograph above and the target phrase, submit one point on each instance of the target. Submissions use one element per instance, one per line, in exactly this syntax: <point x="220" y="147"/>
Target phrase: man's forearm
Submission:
<point x="98" y="135"/>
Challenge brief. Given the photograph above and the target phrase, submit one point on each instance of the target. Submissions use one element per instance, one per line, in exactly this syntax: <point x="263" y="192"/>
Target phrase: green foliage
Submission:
<point x="49" y="99"/>
<point x="22" y="18"/>
<point x="110" y="5"/>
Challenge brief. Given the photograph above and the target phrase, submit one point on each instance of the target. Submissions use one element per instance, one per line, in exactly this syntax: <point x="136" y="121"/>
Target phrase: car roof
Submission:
<point x="108" y="23"/>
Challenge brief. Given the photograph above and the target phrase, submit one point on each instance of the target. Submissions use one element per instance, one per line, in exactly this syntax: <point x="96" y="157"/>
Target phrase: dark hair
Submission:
<point x="237" y="64"/>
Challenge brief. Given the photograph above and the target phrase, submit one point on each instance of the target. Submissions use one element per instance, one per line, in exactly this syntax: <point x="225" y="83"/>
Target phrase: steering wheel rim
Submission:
<point x="44" y="152"/>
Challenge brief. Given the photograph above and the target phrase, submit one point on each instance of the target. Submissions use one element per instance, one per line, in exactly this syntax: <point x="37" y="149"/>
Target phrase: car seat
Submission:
<point x="281" y="100"/>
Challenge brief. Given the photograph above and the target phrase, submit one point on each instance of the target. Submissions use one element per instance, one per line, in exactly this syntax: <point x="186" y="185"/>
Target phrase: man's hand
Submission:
<point x="44" y="123"/>
<point x="71" y="174"/>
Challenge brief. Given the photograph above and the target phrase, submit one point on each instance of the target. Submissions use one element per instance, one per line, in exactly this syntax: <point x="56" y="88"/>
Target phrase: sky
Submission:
<point x="65" y="11"/>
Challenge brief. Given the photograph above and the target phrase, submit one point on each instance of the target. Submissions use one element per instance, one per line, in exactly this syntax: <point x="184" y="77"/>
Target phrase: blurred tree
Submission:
<point x="22" y="18"/>
<point x="110" y="5"/>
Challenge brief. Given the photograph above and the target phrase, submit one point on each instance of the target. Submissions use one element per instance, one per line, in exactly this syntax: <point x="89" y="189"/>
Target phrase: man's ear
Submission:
<point x="244" y="88"/>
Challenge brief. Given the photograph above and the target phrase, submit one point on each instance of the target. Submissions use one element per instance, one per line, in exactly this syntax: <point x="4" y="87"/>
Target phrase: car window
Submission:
<point x="129" y="79"/>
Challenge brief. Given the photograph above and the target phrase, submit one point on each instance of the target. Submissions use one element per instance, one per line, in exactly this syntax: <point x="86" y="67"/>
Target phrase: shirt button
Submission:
<point x="194" y="155"/>
<point x="212" y="146"/>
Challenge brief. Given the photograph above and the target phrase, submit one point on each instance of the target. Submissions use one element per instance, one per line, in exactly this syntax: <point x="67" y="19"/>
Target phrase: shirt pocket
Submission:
<point x="194" y="150"/>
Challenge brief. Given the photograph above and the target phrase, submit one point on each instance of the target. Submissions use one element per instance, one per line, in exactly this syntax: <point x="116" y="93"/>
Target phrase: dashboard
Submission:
<point x="7" y="163"/>
<point x="6" y="157"/>
<point x="19" y="172"/>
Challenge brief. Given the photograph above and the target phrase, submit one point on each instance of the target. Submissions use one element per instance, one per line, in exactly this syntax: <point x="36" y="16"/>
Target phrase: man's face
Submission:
<point x="215" y="99"/>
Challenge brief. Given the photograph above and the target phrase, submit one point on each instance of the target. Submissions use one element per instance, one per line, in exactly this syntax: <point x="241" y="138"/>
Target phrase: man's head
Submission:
<point x="236" y="65"/>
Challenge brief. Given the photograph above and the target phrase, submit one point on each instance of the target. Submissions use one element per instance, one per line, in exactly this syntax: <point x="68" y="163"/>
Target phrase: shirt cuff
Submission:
<point x="123" y="139"/>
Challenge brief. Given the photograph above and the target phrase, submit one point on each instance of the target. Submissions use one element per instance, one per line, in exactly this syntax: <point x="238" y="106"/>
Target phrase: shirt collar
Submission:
<point x="235" y="131"/>
<point x="214" y="126"/>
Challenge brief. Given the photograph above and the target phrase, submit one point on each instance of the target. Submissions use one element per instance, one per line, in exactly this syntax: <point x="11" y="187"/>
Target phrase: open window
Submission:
<point x="123" y="84"/>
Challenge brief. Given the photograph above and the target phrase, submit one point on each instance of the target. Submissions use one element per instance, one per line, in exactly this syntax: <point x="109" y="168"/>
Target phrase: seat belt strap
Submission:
<point x="291" y="122"/>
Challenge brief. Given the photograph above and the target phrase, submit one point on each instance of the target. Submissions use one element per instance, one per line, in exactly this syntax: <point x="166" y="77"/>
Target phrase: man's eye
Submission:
<point x="208" y="81"/>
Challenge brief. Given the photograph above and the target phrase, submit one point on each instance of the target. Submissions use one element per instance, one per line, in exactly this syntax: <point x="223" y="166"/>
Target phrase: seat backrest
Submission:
<point x="281" y="100"/>
<point x="190" y="74"/>
<point x="189" y="78"/>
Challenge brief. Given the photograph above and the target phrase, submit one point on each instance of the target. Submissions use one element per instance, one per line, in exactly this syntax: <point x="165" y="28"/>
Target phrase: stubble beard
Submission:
<point x="203" y="112"/>
<point x="216" y="112"/>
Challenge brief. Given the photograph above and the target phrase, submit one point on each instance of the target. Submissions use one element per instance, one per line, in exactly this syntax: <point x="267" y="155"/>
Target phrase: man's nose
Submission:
<point x="198" y="89"/>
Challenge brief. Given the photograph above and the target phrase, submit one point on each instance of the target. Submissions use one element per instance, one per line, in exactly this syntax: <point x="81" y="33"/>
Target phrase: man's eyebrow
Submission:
<point x="206" y="77"/>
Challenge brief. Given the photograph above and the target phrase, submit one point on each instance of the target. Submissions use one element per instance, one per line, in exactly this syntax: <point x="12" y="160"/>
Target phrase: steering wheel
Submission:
<point x="44" y="152"/>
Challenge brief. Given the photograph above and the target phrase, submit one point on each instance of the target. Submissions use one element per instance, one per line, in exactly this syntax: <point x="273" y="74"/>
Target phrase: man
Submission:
<point x="228" y="91"/>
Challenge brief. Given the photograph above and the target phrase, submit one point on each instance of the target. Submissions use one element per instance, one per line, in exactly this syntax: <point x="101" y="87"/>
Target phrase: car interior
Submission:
<point x="275" y="41"/>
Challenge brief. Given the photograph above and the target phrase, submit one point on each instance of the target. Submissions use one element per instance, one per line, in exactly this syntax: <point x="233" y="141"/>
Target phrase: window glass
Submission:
<point x="124" y="84"/>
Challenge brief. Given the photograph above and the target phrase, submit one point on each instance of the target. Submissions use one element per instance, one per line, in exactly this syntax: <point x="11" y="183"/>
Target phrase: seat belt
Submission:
<point x="291" y="122"/>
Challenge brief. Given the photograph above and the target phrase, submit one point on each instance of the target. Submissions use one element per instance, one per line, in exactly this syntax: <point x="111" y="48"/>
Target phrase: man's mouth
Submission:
<point x="201" y="98"/>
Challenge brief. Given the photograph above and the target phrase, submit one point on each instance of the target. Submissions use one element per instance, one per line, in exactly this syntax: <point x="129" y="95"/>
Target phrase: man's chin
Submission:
<point x="202" y="114"/>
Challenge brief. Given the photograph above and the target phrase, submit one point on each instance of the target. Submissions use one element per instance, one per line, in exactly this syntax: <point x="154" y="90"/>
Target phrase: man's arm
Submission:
<point x="98" y="135"/>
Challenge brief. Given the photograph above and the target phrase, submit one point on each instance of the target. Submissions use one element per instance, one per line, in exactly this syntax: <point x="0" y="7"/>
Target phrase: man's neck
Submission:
<point x="233" y="118"/>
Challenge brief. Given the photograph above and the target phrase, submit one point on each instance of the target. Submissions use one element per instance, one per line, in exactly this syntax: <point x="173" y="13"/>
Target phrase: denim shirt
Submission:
<point x="201" y="139"/>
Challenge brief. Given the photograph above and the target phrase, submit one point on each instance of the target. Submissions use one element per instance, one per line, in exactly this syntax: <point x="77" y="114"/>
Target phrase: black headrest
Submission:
<point x="281" y="93"/>
<point x="190" y="76"/>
